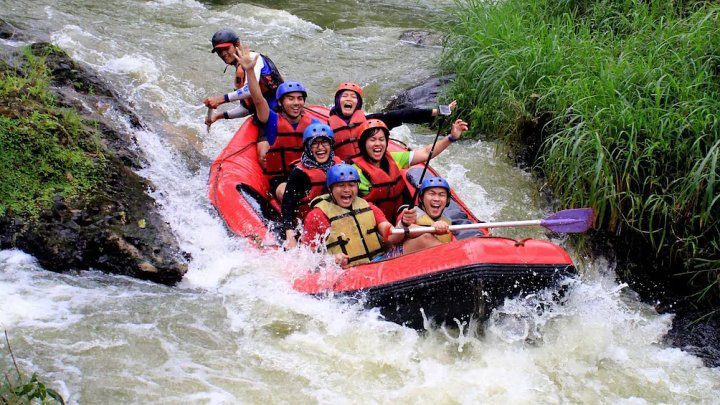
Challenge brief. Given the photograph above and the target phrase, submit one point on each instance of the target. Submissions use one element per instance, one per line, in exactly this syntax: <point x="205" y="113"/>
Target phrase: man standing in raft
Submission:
<point x="280" y="142"/>
<point x="434" y="197"/>
<point x="347" y="117"/>
<point x="355" y="225"/>
<point x="381" y="180"/>
<point x="226" y="44"/>
<point x="308" y="178"/>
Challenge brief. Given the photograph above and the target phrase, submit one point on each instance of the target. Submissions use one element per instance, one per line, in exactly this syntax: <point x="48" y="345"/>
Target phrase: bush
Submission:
<point x="46" y="150"/>
<point x="622" y="98"/>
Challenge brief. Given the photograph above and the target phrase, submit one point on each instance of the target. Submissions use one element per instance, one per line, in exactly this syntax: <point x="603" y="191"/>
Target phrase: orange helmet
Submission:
<point x="367" y="128"/>
<point x="349" y="86"/>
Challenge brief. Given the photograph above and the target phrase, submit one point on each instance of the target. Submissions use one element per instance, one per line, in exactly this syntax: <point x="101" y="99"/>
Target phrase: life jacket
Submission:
<point x="352" y="231"/>
<point x="347" y="135"/>
<point x="386" y="189"/>
<point x="425" y="220"/>
<point x="269" y="83"/>
<point x="288" y="146"/>
<point x="317" y="185"/>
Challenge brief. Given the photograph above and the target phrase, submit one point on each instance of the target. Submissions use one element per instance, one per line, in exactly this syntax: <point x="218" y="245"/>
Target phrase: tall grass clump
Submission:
<point x="46" y="150"/>
<point x="621" y="97"/>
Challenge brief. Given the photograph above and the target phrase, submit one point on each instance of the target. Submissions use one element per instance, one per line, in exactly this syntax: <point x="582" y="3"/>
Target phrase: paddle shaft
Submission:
<point x="208" y="117"/>
<point x="427" y="163"/>
<point x="429" y="229"/>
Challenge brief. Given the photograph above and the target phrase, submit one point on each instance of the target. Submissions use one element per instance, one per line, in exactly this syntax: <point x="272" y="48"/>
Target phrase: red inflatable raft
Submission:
<point x="463" y="278"/>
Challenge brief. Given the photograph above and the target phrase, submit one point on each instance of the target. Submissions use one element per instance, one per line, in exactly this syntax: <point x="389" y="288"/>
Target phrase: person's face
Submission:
<point x="348" y="102"/>
<point x="344" y="193"/>
<point x="292" y="104"/>
<point x="434" y="201"/>
<point x="320" y="149"/>
<point x="376" y="144"/>
<point x="227" y="54"/>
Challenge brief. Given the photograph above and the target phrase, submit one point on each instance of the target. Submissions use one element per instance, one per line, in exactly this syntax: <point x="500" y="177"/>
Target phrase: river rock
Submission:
<point x="117" y="229"/>
<point x="424" y="95"/>
<point x="421" y="38"/>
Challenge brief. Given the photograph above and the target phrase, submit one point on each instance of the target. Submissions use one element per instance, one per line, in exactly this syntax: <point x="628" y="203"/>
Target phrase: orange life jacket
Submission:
<point x="386" y="189"/>
<point x="317" y="185"/>
<point x="288" y="146"/>
<point x="347" y="135"/>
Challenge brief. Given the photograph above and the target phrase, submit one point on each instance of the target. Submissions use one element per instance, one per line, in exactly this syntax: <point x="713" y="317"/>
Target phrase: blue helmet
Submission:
<point x="315" y="130"/>
<point x="434" y="181"/>
<point x="289" y="87"/>
<point x="340" y="173"/>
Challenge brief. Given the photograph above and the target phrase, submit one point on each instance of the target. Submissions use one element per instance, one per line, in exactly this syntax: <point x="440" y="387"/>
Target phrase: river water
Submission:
<point x="233" y="330"/>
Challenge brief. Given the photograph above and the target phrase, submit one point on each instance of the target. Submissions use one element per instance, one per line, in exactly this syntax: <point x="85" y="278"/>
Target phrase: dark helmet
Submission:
<point x="289" y="87"/>
<point x="223" y="38"/>
<point x="352" y="87"/>
<point x="430" y="182"/>
<point x="368" y="128"/>
<point x="340" y="173"/>
<point x="316" y="130"/>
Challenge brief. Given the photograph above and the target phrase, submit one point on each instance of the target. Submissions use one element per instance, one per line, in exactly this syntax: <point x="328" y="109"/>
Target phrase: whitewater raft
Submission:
<point x="464" y="278"/>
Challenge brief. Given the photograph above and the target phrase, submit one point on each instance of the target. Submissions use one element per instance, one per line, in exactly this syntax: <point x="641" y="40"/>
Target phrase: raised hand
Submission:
<point x="458" y="127"/>
<point x="243" y="57"/>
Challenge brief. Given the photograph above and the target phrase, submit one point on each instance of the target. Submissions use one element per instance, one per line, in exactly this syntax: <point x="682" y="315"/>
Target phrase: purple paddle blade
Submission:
<point x="574" y="220"/>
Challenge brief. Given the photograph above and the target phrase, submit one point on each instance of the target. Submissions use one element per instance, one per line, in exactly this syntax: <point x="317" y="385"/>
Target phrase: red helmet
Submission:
<point x="367" y="128"/>
<point x="352" y="87"/>
<point x="349" y="86"/>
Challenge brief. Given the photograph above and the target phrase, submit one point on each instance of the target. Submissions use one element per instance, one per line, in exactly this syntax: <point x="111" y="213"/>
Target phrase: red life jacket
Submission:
<point x="386" y="189"/>
<point x="317" y="185"/>
<point x="288" y="146"/>
<point x="347" y="135"/>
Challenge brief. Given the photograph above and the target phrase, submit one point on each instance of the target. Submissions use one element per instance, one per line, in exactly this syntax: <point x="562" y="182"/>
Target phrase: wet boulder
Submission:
<point x="115" y="225"/>
<point x="424" y="95"/>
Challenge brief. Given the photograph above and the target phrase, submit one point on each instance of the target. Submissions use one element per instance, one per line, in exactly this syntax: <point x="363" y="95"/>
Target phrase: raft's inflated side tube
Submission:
<point x="236" y="169"/>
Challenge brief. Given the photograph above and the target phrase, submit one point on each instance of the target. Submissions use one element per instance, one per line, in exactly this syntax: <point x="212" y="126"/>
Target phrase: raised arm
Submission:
<point x="244" y="59"/>
<point x="421" y="155"/>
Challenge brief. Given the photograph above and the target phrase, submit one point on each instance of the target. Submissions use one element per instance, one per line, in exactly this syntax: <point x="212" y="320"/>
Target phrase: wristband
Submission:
<point x="451" y="139"/>
<point x="225" y="115"/>
<point x="227" y="98"/>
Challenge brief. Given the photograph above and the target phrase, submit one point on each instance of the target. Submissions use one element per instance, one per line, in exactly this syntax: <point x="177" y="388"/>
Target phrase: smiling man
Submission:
<point x="434" y="197"/>
<point x="280" y="142"/>
<point x="226" y="44"/>
<point x="355" y="226"/>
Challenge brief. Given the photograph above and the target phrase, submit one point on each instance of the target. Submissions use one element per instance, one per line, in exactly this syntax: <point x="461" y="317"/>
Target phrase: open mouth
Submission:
<point x="320" y="154"/>
<point x="346" y="199"/>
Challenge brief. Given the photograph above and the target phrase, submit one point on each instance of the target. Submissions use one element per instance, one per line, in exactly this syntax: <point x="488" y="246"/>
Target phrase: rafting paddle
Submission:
<point x="575" y="220"/>
<point x="208" y="118"/>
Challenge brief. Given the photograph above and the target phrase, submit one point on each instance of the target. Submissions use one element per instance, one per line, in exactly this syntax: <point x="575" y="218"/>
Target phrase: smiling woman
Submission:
<point x="307" y="179"/>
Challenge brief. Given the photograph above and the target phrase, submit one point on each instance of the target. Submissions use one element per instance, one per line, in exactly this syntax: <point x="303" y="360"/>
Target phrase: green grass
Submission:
<point x="46" y="150"/>
<point x="632" y="92"/>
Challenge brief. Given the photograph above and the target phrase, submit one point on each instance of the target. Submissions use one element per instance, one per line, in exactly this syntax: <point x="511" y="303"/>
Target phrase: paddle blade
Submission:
<point x="574" y="220"/>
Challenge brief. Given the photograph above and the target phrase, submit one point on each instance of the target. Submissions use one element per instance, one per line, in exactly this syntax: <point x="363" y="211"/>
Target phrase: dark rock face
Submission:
<point x="424" y="95"/>
<point x="117" y="229"/>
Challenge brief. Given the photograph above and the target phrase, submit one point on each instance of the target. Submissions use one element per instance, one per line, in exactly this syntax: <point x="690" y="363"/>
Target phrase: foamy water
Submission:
<point x="234" y="330"/>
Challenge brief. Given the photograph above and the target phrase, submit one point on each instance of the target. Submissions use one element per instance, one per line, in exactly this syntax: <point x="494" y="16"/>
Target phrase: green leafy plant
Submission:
<point x="18" y="389"/>
<point x="621" y="99"/>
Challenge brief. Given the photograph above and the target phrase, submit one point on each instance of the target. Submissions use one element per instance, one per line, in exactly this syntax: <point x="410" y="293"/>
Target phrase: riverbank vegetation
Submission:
<point x="46" y="151"/>
<point x="615" y="104"/>
<point x="17" y="388"/>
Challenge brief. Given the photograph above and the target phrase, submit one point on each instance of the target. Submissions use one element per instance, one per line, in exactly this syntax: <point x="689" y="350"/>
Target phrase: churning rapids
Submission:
<point x="233" y="330"/>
